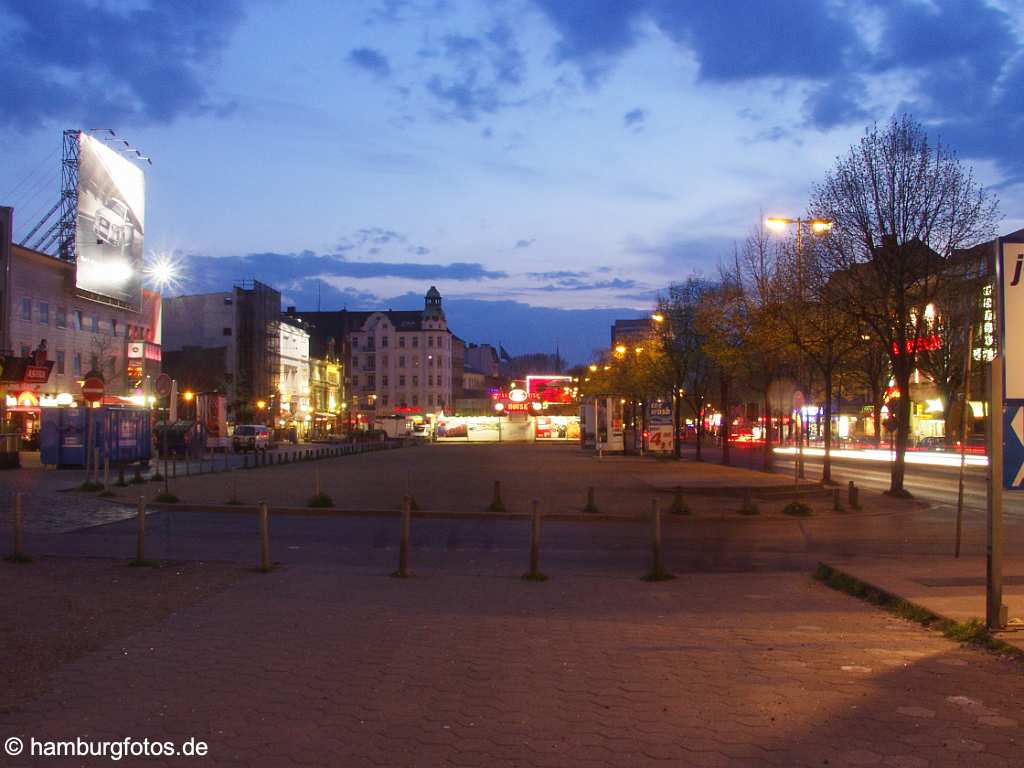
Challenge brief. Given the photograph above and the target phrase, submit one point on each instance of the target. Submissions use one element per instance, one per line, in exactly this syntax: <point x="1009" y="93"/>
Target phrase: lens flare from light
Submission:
<point x="163" y="272"/>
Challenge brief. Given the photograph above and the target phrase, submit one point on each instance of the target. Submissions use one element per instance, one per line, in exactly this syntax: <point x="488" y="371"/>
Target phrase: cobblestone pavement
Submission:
<point x="319" y="665"/>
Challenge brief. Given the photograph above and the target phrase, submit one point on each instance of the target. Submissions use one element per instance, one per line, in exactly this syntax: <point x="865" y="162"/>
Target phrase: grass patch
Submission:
<point x="156" y="477"/>
<point x="971" y="632"/>
<point x="749" y="507"/>
<point x="107" y="494"/>
<point x="679" y="505"/>
<point x="138" y="480"/>
<point x="323" y="501"/>
<point x="796" y="509"/>
<point x="658" y="574"/>
<point x="233" y="502"/>
<point x="90" y="486"/>
<point x="166" y="498"/>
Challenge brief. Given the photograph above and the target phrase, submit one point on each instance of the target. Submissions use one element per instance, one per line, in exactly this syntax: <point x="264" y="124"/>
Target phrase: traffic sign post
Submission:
<point x="1005" y="418"/>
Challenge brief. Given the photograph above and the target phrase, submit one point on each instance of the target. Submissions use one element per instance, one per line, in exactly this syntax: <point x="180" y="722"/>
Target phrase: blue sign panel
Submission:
<point x="1013" y="445"/>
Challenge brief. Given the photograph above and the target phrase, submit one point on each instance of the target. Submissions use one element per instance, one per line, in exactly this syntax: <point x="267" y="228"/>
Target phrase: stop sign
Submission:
<point x="93" y="389"/>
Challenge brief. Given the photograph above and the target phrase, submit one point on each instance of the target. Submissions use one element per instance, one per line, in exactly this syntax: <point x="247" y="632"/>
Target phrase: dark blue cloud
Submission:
<point x="482" y="72"/>
<point x="635" y="118"/>
<point x="103" y="64"/>
<point x="371" y="60"/>
<point x="525" y="243"/>
<point x="575" y="284"/>
<point x="560" y="274"/>
<point x="961" y="56"/>
<point x="280" y="269"/>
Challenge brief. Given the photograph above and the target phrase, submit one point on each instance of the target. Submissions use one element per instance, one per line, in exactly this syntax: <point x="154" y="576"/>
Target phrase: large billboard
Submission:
<point x="550" y="389"/>
<point x="111" y="217"/>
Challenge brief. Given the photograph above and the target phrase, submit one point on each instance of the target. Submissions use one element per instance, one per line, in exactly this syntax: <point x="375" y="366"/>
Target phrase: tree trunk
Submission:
<point x="767" y="432"/>
<point x="876" y="405"/>
<point x="726" y="424"/>
<point x="700" y="428"/>
<point x="826" y="466"/>
<point x="899" y="465"/>
<point x="677" y="451"/>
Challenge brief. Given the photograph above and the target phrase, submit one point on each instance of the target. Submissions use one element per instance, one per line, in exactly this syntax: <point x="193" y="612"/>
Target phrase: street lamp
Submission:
<point x="658" y="317"/>
<point x="818" y="227"/>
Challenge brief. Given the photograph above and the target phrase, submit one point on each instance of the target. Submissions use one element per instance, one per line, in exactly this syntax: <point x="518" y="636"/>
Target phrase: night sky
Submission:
<point x="564" y="154"/>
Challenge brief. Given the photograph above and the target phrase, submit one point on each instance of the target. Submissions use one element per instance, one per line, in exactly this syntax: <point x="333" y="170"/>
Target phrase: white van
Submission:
<point x="251" y="437"/>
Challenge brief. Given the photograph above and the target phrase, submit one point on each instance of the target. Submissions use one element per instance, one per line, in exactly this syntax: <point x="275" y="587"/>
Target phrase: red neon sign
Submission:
<point x="920" y="344"/>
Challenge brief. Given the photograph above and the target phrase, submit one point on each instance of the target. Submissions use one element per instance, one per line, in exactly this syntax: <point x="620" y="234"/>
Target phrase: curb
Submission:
<point x="888" y="601"/>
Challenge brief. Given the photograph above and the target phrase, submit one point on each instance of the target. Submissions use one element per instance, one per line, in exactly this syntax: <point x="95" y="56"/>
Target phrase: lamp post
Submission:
<point x="818" y="227"/>
<point x="666" y="330"/>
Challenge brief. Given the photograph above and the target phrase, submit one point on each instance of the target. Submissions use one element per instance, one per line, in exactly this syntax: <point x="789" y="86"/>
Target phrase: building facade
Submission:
<point x="239" y="327"/>
<point x="293" y="409"/>
<point x="49" y="323"/>
<point x="402" y="361"/>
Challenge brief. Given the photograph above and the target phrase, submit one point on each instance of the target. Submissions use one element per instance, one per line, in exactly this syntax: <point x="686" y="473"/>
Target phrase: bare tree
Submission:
<point x="900" y="207"/>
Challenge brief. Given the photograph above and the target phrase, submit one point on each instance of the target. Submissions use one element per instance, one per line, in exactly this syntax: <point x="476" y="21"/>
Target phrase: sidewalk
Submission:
<point x="949" y="588"/>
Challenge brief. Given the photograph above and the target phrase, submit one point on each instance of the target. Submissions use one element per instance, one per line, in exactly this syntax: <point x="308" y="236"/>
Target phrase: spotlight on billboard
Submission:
<point x="110" y="223"/>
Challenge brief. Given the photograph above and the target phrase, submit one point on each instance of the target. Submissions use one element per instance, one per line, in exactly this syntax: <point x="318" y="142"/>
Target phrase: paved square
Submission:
<point x="313" y="665"/>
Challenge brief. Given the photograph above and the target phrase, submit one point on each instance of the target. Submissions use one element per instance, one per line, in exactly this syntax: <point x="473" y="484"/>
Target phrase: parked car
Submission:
<point x="113" y="224"/>
<point x="932" y="444"/>
<point x="251" y="437"/>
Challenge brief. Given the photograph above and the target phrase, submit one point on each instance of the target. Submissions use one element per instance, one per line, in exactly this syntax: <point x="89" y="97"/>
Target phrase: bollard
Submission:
<point x="245" y="461"/>
<point x="853" y="496"/>
<point x="496" y="503"/>
<point x="836" y="505"/>
<point x="96" y="464"/>
<point x="658" y="571"/>
<point x="591" y="506"/>
<point x="264" y="538"/>
<point x="18" y="555"/>
<point x="120" y="474"/>
<point x="534" y="573"/>
<point x="403" y="545"/>
<point x="679" y="506"/>
<point x="174" y="467"/>
<point x="316" y="483"/>
<point x="18" y="551"/>
<point x="140" y="541"/>
<point x="106" y="471"/>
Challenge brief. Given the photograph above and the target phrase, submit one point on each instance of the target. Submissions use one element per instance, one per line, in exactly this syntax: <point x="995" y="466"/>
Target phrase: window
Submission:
<point x="430" y="380"/>
<point x="355" y="361"/>
<point x="371" y="381"/>
<point x="355" y="381"/>
<point x="384" y="361"/>
<point x="25" y="351"/>
<point x="401" y="361"/>
<point x="62" y="317"/>
<point x="415" y="400"/>
<point x="430" y="399"/>
<point x="430" y="361"/>
<point x="415" y="342"/>
<point x="415" y="381"/>
<point x="430" y="341"/>
<point x="227" y="331"/>
<point x="26" y="309"/>
<point x="384" y="380"/>
<point x="44" y="313"/>
<point x="113" y="327"/>
<point x="95" y="324"/>
<point x="79" y="321"/>
<point x="440" y="341"/>
<point x="60" y="361"/>
<point x="384" y="341"/>
<point x="355" y="342"/>
<point x="401" y="379"/>
<point x="401" y="342"/>
<point x="76" y="364"/>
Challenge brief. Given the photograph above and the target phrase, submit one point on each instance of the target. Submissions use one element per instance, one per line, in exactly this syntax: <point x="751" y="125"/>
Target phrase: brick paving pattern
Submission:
<point x="322" y="666"/>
